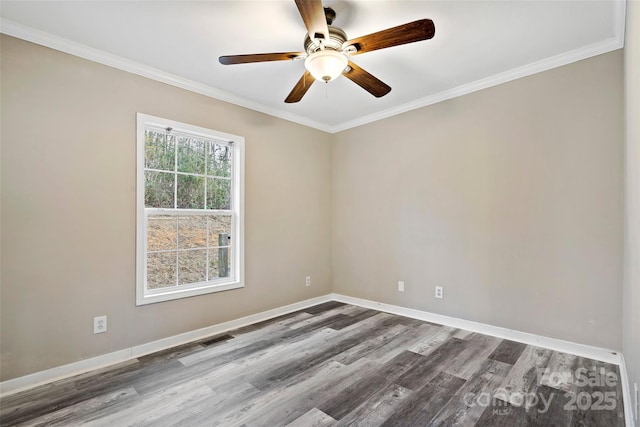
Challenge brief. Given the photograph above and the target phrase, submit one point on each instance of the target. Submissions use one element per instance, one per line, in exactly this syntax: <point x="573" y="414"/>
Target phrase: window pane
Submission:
<point x="192" y="231"/>
<point x="161" y="270"/>
<point x="161" y="232"/>
<point x="191" y="155"/>
<point x="218" y="193"/>
<point x="219" y="230"/>
<point x="219" y="160"/>
<point x="219" y="262"/>
<point x="159" y="151"/>
<point x="192" y="266"/>
<point x="190" y="192"/>
<point x="158" y="189"/>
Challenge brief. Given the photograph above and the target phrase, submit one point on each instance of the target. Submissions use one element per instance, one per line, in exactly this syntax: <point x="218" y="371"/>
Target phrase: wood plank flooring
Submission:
<point x="334" y="365"/>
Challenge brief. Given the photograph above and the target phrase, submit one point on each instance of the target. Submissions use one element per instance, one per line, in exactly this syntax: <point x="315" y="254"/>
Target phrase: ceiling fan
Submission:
<point x="328" y="51"/>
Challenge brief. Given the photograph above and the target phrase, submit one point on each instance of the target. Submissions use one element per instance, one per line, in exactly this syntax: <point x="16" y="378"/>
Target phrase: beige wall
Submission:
<point x="509" y="197"/>
<point x="68" y="209"/>
<point x="631" y="287"/>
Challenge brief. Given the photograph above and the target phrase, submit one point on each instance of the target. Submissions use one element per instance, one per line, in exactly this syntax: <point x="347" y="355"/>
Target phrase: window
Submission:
<point x="190" y="197"/>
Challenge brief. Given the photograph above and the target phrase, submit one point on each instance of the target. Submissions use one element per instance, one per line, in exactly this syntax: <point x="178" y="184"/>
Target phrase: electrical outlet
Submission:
<point x="307" y="281"/>
<point x="400" y="286"/>
<point x="99" y="324"/>
<point x="439" y="292"/>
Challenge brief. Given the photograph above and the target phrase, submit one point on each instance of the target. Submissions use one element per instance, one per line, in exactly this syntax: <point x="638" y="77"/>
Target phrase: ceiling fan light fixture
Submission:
<point x="325" y="65"/>
<point x="327" y="50"/>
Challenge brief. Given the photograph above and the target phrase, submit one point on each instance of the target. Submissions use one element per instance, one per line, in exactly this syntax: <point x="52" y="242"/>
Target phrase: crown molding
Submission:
<point x="496" y="79"/>
<point x="30" y="34"/>
<point x="49" y="40"/>
<point x="599" y="48"/>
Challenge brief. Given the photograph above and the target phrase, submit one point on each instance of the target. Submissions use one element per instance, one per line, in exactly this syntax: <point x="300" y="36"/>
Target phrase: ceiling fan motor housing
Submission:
<point x="325" y="57"/>
<point x="336" y="38"/>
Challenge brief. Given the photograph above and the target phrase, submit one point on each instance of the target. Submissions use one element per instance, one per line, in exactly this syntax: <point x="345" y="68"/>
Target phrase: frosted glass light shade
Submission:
<point x="326" y="65"/>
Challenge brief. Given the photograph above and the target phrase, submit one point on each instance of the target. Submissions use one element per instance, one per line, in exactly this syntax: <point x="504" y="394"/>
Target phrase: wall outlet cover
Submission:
<point x="99" y="324"/>
<point x="400" y="286"/>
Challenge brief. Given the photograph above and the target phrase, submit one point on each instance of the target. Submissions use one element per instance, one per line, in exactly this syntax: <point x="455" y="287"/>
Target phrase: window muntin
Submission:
<point x="189" y="210"/>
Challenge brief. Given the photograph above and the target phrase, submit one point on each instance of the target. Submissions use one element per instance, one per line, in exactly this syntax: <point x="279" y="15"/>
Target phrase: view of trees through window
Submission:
<point x="187" y="199"/>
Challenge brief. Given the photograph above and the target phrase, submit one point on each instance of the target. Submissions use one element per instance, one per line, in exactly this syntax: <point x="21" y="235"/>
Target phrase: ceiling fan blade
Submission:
<point x="300" y="88"/>
<point x="314" y="18"/>
<point x="366" y="80"/>
<point x="415" y="31"/>
<point x="259" y="57"/>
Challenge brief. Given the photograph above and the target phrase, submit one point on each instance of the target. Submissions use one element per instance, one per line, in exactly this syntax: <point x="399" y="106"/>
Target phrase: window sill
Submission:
<point x="174" y="294"/>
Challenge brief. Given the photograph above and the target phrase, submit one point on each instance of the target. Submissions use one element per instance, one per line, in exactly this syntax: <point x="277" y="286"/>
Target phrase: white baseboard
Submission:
<point x="38" y="378"/>
<point x="16" y="385"/>
<point x="591" y="352"/>
<point x="626" y="394"/>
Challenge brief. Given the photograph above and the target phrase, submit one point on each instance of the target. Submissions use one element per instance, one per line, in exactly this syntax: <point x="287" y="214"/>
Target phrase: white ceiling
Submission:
<point x="477" y="44"/>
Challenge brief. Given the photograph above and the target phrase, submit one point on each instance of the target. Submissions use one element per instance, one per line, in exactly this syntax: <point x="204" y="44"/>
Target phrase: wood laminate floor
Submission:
<point x="334" y="365"/>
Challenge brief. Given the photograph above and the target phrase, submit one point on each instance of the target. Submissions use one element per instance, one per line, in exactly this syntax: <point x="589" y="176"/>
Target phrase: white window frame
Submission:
<point x="236" y="279"/>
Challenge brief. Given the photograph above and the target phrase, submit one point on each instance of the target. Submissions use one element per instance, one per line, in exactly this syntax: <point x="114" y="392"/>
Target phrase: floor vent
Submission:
<point x="217" y="339"/>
